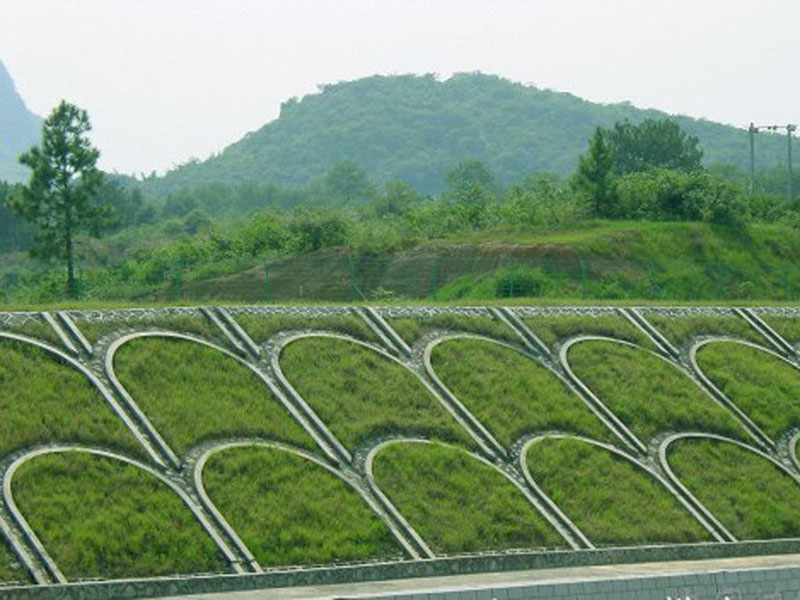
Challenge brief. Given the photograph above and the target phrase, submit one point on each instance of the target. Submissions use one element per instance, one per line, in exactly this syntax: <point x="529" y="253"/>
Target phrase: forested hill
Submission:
<point x="416" y="128"/>
<point x="19" y="129"/>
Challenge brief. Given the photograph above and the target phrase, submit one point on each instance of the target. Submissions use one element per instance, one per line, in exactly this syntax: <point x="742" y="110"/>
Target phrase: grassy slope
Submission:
<point x="193" y="393"/>
<point x="43" y="400"/>
<point x="261" y="328"/>
<point x="787" y="327"/>
<point x="608" y="498"/>
<point x="36" y="328"/>
<point x="763" y="386"/>
<point x="100" y="518"/>
<point x="751" y="497"/>
<point x="360" y="394"/>
<point x="458" y="504"/>
<point x="290" y="511"/>
<point x="509" y="393"/>
<point x="555" y="329"/>
<point x="681" y="331"/>
<point x="197" y="326"/>
<point x="10" y="569"/>
<point x="646" y="393"/>
<point x="412" y="329"/>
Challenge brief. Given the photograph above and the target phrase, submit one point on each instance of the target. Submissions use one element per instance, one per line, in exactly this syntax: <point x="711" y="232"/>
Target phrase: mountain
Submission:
<point x="416" y="128"/>
<point x="19" y="129"/>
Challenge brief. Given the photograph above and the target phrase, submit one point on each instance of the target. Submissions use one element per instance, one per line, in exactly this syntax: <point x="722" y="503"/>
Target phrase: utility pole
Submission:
<point x="789" y="130"/>
<point x="753" y="130"/>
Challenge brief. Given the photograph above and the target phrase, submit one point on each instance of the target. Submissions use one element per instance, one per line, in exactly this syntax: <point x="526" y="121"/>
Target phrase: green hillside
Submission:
<point x="19" y="129"/>
<point x="416" y="128"/>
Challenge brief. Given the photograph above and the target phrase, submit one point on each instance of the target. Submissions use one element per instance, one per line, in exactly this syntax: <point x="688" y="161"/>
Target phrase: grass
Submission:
<point x="261" y="328"/>
<point x="457" y="503"/>
<point x="198" y="326"/>
<point x="412" y="329"/>
<point x="749" y="495"/>
<point x="192" y="393"/>
<point x="647" y="393"/>
<point x="608" y="498"/>
<point x="787" y="327"/>
<point x="290" y="511"/>
<point x="762" y="385"/>
<point x="555" y="329"/>
<point x="43" y="400"/>
<point x="682" y="331"/>
<point x="510" y="393"/>
<point x="10" y="569"/>
<point x="37" y="328"/>
<point x="361" y="394"/>
<point x="101" y="518"/>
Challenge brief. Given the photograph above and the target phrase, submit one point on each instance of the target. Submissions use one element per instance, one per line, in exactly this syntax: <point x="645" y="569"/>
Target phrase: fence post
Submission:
<point x="266" y="283"/>
<point x="352" y="273"/>
<point x="434" y="275"/>
<point x="177" y="285"/>
<point x="582" y="275"/>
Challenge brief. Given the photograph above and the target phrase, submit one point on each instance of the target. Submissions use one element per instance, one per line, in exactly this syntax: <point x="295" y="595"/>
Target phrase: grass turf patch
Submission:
<point x="192" y="393"/>
<point x="412" y="329"/>
<point x="510" y="393"/>
<point x="765" y="387"/>
<point x="458" y="503"/>
<point x="553" y="330"/>
<point x="36" y="328"/>
<point x="262" y="327"/>
<point x="361" y="394"/>
<point x="290" y="511"/>
<point x="45" y="400"/>
<point x="752" y="497"/>
<point x="192" y="325"/>
<point x="99" y="517"/>
<point x="682" y="331"/>
<point x="647" y="393"/>
<point x="611" y="500"/>
<point x="10" y="569"/>
<point x="787" y="327"/>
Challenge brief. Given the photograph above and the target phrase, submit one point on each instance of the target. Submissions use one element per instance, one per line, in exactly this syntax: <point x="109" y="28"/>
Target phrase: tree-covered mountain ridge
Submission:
<point x="416" y="127"/>
<point x="19" y="129"/>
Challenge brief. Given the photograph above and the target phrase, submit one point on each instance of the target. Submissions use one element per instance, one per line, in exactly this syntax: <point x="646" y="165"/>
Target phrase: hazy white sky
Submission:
<point x="166" y="80"/>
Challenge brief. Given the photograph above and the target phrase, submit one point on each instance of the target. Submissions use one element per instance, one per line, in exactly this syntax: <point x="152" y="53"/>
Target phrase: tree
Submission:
<point x="594" y="176"/>
<point x="654" y="143"/>
<point x="64" y="179"/>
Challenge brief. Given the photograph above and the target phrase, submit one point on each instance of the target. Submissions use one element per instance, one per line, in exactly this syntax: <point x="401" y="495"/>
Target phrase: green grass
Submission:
<point x="412" y="329"/>
<point x="101" y="518"/>
<point x="261" y="328"/>
<point x="45" y="400"/>
<point x="787" y="327"/>
<point x="290" y="511"/>
<point x="553" y="330"/>
<point x="10" y="569"/>
<point x="748" y="494"/>
<point x="647" y="393"/>
<point x="198" y="326"/>
<point x="457" y="503"/>
<point x="766" y="388"/>
<point x="192" y="393"/>
<point x="360" y="394"/>
<point x="607" y="497"/>
<point x="510" y="393"/>
<point x="36" y="328"/>
<point x="682" y="331"/>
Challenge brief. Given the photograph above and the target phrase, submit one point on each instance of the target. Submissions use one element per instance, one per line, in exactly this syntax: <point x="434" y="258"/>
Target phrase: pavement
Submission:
<point x="507" y="578"/>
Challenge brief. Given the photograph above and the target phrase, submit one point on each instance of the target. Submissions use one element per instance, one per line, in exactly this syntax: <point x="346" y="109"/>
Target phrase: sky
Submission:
<point x="165" y="81"/>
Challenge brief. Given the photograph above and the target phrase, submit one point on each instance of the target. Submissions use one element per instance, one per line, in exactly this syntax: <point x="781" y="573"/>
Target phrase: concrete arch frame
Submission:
<point x="197" y="475"/>
<point x="764" y="440"/>
<point x="568" y="536"/>
<point x="629" y="458"/>
<point x="36" y="543"/>
<point x="639" y="445"/>
<point x="662" y="453"/>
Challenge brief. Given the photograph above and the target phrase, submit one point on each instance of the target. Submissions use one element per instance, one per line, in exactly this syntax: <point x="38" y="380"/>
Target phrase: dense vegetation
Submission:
<point x="211" y="396"/>
<point x="261" y="328"/>
<point x="10" y="569"/>
<point x="646" y="393"/>
<point x="684" y="330"/>
<point x="608" y="498"/>
<point x="752" y="497"/>
<point x="42" y="400"/>
<point x="457" y="503"/>
<point x="765" y="387"/>
<point x="290" y="511"/>
<point x="555" y="329"/>
<point x="360" y="394"/>
<point x="102" y="518"/>
<point x="412" y="329"/>
<point x="511" y="394"/>
<point x="198" y="326"/>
